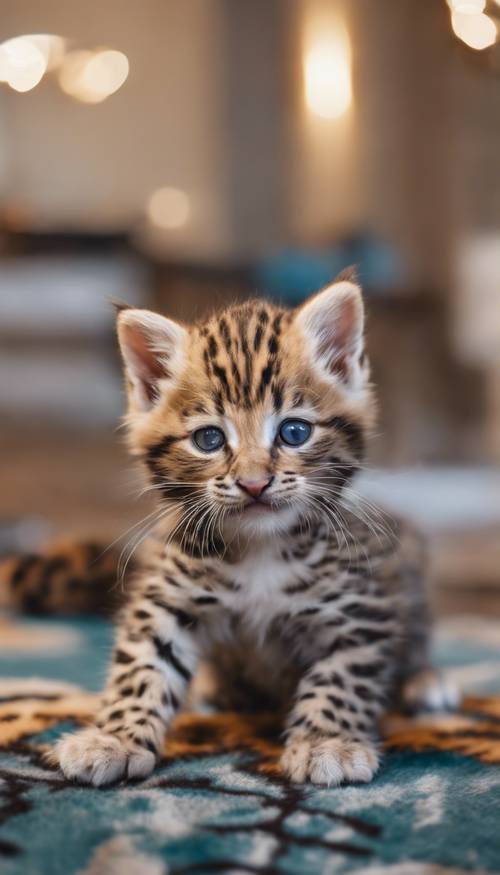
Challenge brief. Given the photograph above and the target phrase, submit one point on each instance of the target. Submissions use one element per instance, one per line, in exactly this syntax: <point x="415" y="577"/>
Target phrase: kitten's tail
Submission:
<point x="72" y="578"/>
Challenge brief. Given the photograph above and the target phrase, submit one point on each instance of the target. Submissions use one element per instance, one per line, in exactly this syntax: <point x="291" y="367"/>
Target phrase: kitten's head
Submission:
<point x="253" y="420"/>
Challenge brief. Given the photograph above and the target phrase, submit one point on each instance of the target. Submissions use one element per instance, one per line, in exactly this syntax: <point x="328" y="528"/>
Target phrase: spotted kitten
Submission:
<point x="251" y="426"/>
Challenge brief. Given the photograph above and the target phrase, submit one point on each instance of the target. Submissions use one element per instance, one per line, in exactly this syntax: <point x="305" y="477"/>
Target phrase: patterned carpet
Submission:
<point x="218" y="803"/>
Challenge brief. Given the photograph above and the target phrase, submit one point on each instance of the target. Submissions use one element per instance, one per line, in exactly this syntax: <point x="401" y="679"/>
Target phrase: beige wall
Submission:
<point x="213" y="105"/>
<point x="94" y="166"/>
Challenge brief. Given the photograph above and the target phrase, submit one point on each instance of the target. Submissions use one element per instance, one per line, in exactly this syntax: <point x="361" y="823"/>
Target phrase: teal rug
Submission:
<point x="217" y="804"/>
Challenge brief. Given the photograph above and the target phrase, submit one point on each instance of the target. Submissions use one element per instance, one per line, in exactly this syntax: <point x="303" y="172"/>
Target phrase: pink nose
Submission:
<point x="255" y="488"/>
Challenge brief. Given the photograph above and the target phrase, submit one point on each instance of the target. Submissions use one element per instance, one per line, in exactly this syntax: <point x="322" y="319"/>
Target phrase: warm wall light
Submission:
<point x="168" y="208"/>
<point x="22" y="63"/>
<point x="476" y="31"/>
<point x="93" y="76"/>
<point x="467" y="7"/>
<point x="327" y="70"/>
<point x="51" y="46"/>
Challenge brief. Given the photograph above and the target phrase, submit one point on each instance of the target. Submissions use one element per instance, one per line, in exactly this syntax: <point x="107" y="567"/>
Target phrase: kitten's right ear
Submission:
<point x="153" y="350"/>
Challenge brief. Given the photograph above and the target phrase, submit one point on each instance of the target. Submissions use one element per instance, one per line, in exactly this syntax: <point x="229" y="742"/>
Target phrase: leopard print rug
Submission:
<point x="218" y="802"/>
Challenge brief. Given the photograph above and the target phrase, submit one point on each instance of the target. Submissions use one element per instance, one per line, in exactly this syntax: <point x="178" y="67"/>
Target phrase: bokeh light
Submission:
<point x="476" y="31"/>
<point x="22" y="63"/>
<point x="327" y="71"/>
<point x="92" y="76"/>
<point x="168" y="208"/>
<point x="467" y="7"/>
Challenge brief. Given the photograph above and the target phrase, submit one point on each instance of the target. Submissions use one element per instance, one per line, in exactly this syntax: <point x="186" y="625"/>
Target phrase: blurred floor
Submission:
<point x="83" y="484"/>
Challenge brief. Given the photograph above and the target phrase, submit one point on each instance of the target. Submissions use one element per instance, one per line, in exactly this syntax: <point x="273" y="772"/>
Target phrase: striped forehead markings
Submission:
<point x="236" y="379"/>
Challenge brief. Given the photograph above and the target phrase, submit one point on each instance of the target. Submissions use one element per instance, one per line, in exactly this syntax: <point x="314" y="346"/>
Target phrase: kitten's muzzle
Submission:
<point x="255" y="488"/>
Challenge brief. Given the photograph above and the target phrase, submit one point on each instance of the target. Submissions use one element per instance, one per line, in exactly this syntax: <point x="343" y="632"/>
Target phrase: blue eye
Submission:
<point x="209" y="439"/>
<point x="295" y="432"/>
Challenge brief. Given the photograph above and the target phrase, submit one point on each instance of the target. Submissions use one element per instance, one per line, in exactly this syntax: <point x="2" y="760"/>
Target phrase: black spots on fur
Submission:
<point x="142" y="615"/>
<point x="37" y="573"/>
<point x="149" y="745"/>
<point x="276" y="325"/>
<point x="346" y="724"/>
<point x="296" y="588"/>
<point x="335" y="623"/>
<point x="220" y="373"/>
<point x="337" y="681"/>
<point x="144" y="742"/>
<point x="128" y="675"/>
<point x="265" y="379"/>
<point x="171" y="580"/>
<point x="166" y="654"/>
<point x="122" y="658"/>
<point x="336" y="701"/>
<point x="305" y="696"/>
<point x="263" y="317"/>
<point x="154" y="713"/>
<point x="161" y="448"/>
<point x="345" y="642"/>
<point x="205" y="600"/>
<point x="273" y="345"/>
<point x="372" y="636"/>
<point x="183" y="617"/>
<point x="247" y="395"/>
<point x="23" y="566"/>
<point x="351" y="708"/>
<point x="308" y="612"/>
<point x="329" y="715"/>
<point x="366" y="669"/>
<point x="257" y="341"/>
<point x="330" y="597"/>
<point x="237" y="380"/>
<point x="116" y="715"/>
<point x="218" y="402"/>
<point x="319" y="681"/>
<point x="277" y="393"/>
<point x="351" y="432"/>
<point x="225" y="334"/>
<point x="180" y="565"/>
<point x="367" y="612"/>
<point x="143" y="686"/>
<point x="206" y="362"/>
<point x="126" y="692"/>
<point x="212" y="347"/>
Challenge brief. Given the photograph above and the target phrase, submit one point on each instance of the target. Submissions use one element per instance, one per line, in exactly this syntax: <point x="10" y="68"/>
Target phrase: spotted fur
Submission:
<point x="303" y="597"/>
<point x="69" y="578"/>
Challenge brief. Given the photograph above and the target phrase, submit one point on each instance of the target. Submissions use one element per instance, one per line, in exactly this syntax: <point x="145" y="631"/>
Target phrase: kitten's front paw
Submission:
<point x="329" y="761"/>
<point x="92" y="756"/>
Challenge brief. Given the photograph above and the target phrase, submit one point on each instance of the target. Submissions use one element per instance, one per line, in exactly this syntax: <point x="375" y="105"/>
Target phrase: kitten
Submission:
<point x="251" y="426"/>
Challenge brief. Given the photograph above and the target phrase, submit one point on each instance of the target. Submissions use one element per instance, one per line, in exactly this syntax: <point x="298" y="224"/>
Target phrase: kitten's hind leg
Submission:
<point x="429" y="690"/>
<point x="421" y="687"/>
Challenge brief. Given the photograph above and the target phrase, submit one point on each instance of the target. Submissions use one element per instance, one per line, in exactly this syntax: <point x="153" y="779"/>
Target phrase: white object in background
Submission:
<point x="477" y="300"/>
<point x="436" y="498"/>
<point x="66" y="295"/>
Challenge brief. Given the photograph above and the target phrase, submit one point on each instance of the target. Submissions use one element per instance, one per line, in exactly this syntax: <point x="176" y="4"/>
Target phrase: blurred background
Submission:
<point x="177" y="155"/>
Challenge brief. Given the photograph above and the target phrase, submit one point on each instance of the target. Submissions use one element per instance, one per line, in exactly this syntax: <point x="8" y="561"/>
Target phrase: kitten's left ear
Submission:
<point x="332" y="324"/>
